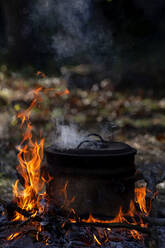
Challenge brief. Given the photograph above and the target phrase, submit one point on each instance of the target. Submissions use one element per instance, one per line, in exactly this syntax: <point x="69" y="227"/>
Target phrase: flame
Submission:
<point x="62" y="93"/>
<point x="47" y="242"/>
<point x="30" y="157"/>
<point x="13" y="236"/>
<point x="39" y="230"/>
<point x="67" y="202"/>
<point x="48" y="180"/>
<point x="136" y="235"/>
<point x="140" y="195"/>
<point x="96" y="239"/>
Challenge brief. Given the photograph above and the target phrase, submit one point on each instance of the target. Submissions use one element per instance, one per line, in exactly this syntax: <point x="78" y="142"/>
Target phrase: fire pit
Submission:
<point x="97" y="177"/>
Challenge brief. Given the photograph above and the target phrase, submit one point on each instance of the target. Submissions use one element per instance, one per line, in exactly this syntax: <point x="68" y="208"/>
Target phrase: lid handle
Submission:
<point x="93" y="142"/>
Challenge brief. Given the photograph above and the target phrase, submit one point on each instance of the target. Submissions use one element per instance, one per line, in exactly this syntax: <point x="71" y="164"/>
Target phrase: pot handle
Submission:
<point x="87" y="141"/>
<point x="96" y="135"/>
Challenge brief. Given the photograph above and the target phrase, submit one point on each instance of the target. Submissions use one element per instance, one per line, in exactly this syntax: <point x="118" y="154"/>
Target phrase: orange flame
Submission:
<point x="140" y="195"/>
<point x="62" y="93"/>
<point x="96" y="239"/>
<point x="13" y="236"/>
<point x="30" y="157"/>
<point x="67" y="202"/>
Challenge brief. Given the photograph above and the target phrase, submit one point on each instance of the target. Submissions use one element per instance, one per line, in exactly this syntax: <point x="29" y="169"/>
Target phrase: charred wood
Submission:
<point x="111" y="225"/>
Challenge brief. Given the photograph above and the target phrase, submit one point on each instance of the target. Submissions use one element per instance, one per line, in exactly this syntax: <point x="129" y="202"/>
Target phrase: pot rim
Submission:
<point x="128" y="150"/>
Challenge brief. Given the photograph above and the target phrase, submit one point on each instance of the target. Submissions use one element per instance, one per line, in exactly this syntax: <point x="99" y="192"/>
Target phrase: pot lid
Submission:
<point x="104" y="149"/>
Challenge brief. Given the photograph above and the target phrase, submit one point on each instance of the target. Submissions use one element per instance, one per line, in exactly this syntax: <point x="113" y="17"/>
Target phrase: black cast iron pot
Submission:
<point x="97" y="179"/>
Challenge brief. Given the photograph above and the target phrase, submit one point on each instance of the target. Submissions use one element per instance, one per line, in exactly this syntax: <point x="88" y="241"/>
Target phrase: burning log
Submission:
<point x="12" y="207"/>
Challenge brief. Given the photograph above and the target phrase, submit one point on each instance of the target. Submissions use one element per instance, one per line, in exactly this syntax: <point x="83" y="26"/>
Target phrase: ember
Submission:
<point x="13" y="236"/>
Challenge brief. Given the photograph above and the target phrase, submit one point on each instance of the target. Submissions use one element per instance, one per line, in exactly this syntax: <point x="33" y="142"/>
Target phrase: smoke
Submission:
<point x="73" y="31"/>
<point x="121" y="36"/>
<point x="78" y="32"/>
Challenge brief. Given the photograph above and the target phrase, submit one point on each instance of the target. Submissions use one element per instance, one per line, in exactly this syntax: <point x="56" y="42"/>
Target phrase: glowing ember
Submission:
<point x="13" y="236"/>
<point x="97" y="241"/>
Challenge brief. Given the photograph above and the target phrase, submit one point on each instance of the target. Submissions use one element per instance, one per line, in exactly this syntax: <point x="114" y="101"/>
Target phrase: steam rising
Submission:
<point x="68" y="136"/>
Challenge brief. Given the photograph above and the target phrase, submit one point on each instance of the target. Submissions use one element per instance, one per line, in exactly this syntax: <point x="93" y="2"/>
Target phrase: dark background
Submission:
<point x="123" y="38"/>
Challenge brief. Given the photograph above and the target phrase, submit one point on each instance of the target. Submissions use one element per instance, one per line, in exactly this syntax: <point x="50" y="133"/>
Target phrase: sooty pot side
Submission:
<point x="92" y="181"/>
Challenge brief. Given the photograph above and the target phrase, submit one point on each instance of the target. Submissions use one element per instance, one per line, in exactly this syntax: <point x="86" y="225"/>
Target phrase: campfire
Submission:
<point x="87" y="196"/>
